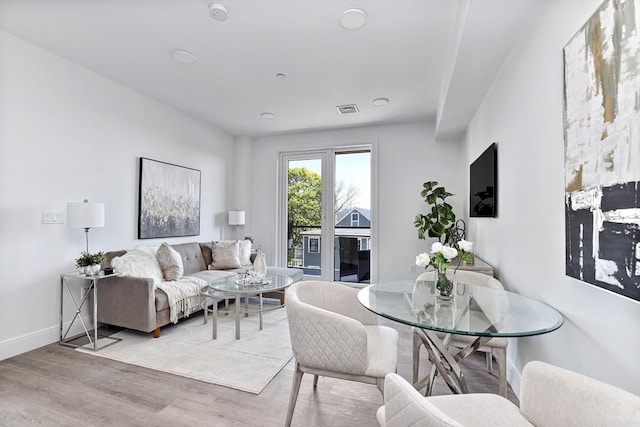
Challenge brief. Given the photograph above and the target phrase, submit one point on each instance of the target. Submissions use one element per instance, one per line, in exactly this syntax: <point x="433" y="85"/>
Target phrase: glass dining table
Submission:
<point x="477" y="311"/>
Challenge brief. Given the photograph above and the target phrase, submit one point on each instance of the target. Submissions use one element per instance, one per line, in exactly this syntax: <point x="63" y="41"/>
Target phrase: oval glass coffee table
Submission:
<point x="238" y="288"/>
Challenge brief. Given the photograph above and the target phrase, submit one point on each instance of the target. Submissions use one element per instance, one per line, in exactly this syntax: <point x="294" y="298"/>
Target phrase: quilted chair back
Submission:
<point x="552" y="396"/>
<point x="405" y="406"/>
<point x="469" y="277"/>
<point x="322" y="337"/>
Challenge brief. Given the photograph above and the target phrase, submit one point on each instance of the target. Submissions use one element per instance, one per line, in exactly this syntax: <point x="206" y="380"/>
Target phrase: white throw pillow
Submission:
<point x="138" y="262"/>
<point x="170" y="262"/>
<point x="225" y="255"/>
<point x="244" y="249"/>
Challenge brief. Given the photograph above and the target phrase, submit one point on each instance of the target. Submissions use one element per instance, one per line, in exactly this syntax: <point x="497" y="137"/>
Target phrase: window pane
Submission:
<point x="353" y="216"/>
<point x="304" y="215"/>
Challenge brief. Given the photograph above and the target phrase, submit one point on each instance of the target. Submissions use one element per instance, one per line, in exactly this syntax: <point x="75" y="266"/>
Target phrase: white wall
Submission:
<point x="407" y="156"/>
<point x="68" y="134"/>
<point x="523" y="113"/>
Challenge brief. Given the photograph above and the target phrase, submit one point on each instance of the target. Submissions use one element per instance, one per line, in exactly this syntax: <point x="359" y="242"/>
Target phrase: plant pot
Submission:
<point x="92" y="270"/>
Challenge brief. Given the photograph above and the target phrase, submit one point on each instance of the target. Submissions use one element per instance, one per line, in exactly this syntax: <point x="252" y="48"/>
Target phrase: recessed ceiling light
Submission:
<point x="281" y="76"/>
<point x="380" y="102"/>
<point x="183" y="57"/>
<point x="218" y="12"/>
<point x="353" y="19"/>
<point x="268" y="116"/>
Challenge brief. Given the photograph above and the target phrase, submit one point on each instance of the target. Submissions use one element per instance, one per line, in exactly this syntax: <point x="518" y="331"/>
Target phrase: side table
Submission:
<point x="89" y="290"/>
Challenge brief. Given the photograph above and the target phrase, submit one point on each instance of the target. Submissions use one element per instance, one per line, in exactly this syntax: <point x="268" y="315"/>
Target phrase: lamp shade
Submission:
<point x="236" y="217"/>
<point x="85" y="214"/>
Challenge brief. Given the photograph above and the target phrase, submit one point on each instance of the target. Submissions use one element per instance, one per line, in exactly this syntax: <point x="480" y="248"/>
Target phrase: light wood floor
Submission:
<point x="57" y="386"/>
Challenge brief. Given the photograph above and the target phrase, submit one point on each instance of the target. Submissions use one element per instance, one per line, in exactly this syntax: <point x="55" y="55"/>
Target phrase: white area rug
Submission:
<point x="187" y="349"/>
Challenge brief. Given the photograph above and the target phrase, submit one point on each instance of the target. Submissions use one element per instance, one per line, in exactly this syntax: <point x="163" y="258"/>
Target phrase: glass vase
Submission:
<point x="444" y="284"/>
<point x="259" y="265"/>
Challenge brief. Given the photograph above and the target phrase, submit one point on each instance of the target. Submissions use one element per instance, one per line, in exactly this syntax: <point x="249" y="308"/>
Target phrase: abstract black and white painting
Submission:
<point x="169" y="200"/>
<point x="602" y="149"/>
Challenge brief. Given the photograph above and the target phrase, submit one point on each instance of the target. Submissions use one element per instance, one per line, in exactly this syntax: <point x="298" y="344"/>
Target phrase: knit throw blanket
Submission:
<point x="183" y="295"/>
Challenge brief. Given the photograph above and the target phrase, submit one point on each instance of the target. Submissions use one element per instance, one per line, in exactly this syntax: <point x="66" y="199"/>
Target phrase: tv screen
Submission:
<point x="483" y="188"/>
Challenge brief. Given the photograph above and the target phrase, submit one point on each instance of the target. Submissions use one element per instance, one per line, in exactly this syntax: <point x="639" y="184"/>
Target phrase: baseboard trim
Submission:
<point x="514" y="378"/>
<point x="24" y="343"/>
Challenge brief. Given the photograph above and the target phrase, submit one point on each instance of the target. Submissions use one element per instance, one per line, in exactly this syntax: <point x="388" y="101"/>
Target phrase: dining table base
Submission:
<point x="443" y="361"/>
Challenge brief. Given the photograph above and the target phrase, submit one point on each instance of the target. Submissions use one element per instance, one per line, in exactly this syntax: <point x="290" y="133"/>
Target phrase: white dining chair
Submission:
<point x="549" y="397"/>
<point x="333" y="335"/>
<point x="495" y="348"/>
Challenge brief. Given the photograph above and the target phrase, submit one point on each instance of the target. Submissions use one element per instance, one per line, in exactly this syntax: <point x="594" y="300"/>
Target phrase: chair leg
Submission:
<point x="501" y="360"/>
<point x="295" y="388"/>
<point x="489" y="358"/>
<point x="315" y="382"/>
<point x="417" y="342"/>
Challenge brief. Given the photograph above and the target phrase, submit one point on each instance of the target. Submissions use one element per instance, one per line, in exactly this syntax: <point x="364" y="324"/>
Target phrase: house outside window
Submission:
<point x="364" y="244"/>
<point x="355" y="219"/>
<point x="314" y="245"/>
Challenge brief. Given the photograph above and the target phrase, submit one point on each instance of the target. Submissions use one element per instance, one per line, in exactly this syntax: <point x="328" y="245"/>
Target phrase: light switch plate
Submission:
<point x="53" y="217"/>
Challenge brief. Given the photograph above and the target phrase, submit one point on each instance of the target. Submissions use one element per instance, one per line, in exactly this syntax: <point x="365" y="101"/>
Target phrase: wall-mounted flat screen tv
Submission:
<point x="483" y="189"/>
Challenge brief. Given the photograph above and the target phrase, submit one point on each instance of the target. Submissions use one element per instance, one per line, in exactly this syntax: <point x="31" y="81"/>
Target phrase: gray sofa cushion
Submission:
<point x="212" y="275"/>
<point x="192" y="258"/>
<point x="295" y="273"/>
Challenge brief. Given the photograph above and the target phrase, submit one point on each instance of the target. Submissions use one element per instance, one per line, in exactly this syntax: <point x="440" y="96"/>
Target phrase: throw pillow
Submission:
<point x="138" y="262"/>
<point x="244" y="248"/>
<point x="170" y="262"/>
<point x="225" y="255"/>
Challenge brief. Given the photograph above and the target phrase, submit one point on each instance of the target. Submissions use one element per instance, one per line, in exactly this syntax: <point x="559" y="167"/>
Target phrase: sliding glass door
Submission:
<point x="326" y="197"/>
<point x="352" y="216"/>
<point x="304" y="212"/>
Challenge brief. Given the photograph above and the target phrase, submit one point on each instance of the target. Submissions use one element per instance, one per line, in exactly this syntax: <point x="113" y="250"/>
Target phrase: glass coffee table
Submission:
<point x="238" y="288"/>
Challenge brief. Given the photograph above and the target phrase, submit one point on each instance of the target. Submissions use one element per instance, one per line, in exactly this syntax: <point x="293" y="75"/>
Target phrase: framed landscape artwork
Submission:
<point x="602" y="149"/>
<point x="169" y="200"/>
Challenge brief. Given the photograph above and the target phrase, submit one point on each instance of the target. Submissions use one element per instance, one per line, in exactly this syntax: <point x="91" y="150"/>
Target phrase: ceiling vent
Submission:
<point x="347" y="109"/>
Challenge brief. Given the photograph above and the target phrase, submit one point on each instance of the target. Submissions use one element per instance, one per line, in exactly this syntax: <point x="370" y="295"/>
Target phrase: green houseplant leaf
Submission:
<point x="86" y="259"/>
<point x="439" y="221"/>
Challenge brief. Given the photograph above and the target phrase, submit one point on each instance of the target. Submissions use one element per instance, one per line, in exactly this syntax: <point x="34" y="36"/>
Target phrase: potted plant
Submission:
<point x="90" y="263"/>
<point x="439" y="221"/>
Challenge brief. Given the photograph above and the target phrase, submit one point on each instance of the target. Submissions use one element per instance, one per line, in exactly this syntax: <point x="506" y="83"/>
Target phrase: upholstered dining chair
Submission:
<point x="333" y="335"/>
<point x="549" y="397"/>
<point x="494" y="348"/>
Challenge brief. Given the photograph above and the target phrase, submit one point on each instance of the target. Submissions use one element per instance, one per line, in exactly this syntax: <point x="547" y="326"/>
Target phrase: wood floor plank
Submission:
<point x="57" y="386"/>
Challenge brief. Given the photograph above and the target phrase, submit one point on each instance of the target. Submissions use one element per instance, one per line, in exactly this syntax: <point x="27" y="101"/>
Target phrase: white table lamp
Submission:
<point x="236" y="218"/>
<point x="85" y="215"/>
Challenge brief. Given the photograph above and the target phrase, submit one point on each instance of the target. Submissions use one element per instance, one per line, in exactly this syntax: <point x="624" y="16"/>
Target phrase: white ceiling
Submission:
<point x="430" y="58"/>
